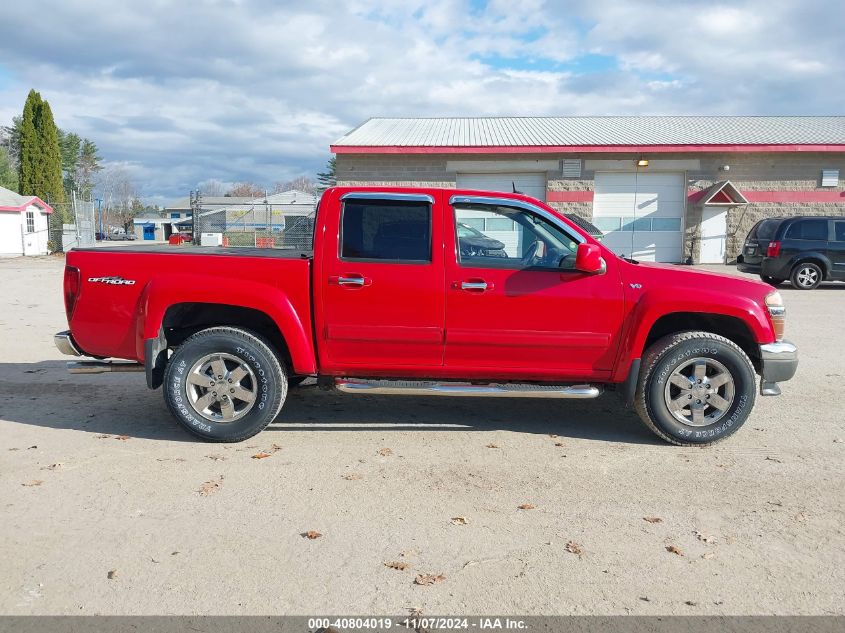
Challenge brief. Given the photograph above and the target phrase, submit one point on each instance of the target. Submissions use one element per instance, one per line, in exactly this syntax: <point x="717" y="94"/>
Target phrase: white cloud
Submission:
<point x="254" y="90"/>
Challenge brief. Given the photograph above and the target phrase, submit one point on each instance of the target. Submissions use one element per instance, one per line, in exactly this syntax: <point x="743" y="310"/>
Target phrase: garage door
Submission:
<point x="494" y="225"/>
<point x="641" y="214"/>
<point x="533" y="185"/>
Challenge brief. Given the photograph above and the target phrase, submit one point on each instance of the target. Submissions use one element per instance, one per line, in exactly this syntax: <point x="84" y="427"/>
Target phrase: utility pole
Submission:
<point x="100" y="214"/>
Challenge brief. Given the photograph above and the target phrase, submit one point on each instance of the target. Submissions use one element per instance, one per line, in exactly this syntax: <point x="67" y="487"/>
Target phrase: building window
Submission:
<point x="830" y="177"/>
<point x="175" y="216"/>
<point x="30" y="222"/>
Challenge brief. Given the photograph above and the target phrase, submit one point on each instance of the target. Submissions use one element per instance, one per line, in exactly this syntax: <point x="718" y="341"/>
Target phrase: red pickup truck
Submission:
<point x="392" y="301"/>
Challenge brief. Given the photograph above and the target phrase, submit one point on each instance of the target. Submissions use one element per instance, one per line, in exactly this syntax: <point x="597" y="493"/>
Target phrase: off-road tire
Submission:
<point x="672" y="351"/>
<point x="271" y="379"/>
<point x="801" y="271"/>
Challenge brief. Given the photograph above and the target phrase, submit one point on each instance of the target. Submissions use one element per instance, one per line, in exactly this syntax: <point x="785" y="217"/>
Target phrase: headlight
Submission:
<point x="774" y="302"/>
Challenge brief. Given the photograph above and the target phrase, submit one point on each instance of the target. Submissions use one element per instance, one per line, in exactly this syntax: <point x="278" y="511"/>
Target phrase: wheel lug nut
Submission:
<point x="698" y="401"/>
<point x="233" y="391"/>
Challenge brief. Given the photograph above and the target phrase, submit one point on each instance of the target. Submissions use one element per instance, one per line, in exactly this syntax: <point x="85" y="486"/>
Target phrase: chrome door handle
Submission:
<point x="350" y="281"/>
<point x="474" y="285"/>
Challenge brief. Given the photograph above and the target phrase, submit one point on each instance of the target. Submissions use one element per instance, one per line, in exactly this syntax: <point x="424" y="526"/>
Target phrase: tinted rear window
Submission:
<point x="388" y="230"/>
<point x="840" y="231"/>
<point x="765" y="230"/>
<point x="807" y="230"/>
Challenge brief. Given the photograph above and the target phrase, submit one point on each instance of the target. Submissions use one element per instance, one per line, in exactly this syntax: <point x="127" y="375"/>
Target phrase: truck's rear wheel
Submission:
<point x="695" y="388"/>
<point x="224" y="384"/>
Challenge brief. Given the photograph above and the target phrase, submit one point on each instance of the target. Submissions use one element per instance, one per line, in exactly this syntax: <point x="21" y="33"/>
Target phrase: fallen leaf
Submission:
<point x="55" y="466"/>
<point x="559" y="444"/>
<point x="573" y="548"/>
<point x="385" y="452"/>
<point x="645" y="599"/>
<point x="459" y="520"/>
<point x="34" y="482"/>
<point x="675" y="550"/>
<point x="706" y="538"/>
<point x="216" y="458"/>
<point x="707" y="555"/>
<point x="493" y="446"/>
<point x="121" y="437"/>
<point x="174" y="553"/>
<point x="311" y="534"/>
<point x="653" y="519"/>
<point x="31" y="447"/>
<point x="397" y="564"/>
<point x="112" y="574"/>
<point x="415" y="611"/>
<point x="174" y="459"/>
<point x="275" y="448"/>
<point x="261" y="455"/>
<point x="210" y="487"/>
<point x="428" y="579"/>
<point x="352" y="476"/>
<point x="101" y="436"/>
<point x="526" y="506"/>
<point x="773" y="459"/>
<point x="14" y="449"/>
<point x="691" y="603"/>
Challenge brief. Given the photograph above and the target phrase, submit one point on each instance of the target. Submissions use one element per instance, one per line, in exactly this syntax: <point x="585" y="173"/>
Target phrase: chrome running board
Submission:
<point x="102" y="366"/>
<point x="492" y="390"/>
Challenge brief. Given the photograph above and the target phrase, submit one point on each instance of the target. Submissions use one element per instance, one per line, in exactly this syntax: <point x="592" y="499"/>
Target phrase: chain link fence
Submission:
<point x="258" y="225"/>
<point x="72" y="224"/>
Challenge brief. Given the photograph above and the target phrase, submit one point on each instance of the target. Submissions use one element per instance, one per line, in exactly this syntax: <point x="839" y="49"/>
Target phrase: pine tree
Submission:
<point x="51" y="158"/>
<point x="28" y="152"/>
<point x="328" y="178"/>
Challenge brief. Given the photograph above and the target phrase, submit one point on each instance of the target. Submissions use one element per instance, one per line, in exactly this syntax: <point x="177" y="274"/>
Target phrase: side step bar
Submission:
<point x="102" y="366"/>
<point x="492" y="390"/>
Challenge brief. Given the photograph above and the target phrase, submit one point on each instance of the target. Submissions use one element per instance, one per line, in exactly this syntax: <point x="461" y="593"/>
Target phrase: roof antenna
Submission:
<point x="513" y="185"/>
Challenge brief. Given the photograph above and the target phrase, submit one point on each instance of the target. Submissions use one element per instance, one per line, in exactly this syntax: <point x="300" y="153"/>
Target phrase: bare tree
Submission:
<point x="246" y="190"/>
<point x="213" y="188"/>
<point x="304" y="184"/>
<point x="114" y="186"/>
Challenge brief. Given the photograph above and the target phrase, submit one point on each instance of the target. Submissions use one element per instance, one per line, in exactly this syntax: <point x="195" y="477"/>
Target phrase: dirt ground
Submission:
<point x="109" y="508"/>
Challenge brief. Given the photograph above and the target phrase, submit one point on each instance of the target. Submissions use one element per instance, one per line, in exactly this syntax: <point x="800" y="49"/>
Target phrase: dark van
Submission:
<point x="805" y="250"/>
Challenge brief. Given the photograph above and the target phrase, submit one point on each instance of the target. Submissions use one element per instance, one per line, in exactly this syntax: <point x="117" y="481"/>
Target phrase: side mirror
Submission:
<point x="588" y="259"/>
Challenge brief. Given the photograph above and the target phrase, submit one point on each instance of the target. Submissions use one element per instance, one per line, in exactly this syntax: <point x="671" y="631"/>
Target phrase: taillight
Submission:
<point x="71" y="289"/>
<point x="773" y="250"/>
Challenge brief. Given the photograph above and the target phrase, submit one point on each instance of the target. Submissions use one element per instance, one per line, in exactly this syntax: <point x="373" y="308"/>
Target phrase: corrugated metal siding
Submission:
<point x="564" y="131"/>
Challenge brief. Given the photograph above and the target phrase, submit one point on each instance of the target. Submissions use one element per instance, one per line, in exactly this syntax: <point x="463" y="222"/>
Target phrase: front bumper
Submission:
<point x="64" y="341"/>
<point x="779" y="363"/>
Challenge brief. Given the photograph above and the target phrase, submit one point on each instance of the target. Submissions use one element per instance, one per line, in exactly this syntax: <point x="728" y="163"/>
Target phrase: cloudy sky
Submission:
<point x="181" y="91"/>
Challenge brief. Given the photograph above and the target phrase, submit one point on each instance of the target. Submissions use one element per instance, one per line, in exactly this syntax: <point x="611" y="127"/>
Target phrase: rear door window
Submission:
<point x="808" y="230"/>
<point x="387" y="230"/>
<point x="839" y="233"/>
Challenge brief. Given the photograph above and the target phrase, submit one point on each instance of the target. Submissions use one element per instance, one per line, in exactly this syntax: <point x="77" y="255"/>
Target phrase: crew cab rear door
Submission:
<point x="381" y="283"/>
<point x="523" y="310"/>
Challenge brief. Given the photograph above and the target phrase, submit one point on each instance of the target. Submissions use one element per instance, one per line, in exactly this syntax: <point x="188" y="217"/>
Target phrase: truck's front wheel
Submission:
<point x="224" y="384"/>
<point x="695" y="388"/>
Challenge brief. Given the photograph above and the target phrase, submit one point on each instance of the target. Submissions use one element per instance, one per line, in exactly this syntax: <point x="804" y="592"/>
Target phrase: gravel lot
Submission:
<point x="109" y="508"/>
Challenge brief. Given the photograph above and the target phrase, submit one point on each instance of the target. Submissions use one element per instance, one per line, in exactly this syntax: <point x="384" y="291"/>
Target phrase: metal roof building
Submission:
<point x="639" y="179"/>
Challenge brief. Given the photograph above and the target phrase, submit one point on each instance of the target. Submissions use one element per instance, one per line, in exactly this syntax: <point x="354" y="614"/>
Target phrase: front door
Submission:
<point x="714" y="228"/>
<point x="149" y="232"/>
<point x="516" y="307"/>
<point x="382" y="285"/>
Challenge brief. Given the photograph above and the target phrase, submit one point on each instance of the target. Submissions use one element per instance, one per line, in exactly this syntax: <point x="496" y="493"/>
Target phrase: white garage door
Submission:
<point x="533" y="185"/>
<point x="641" y="214"/>
<point x="492" y="224"/>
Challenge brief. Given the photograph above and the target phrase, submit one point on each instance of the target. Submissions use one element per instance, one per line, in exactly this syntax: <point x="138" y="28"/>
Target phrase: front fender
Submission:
<point x="163" y="292"/>
<point x="660" y="302"/>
